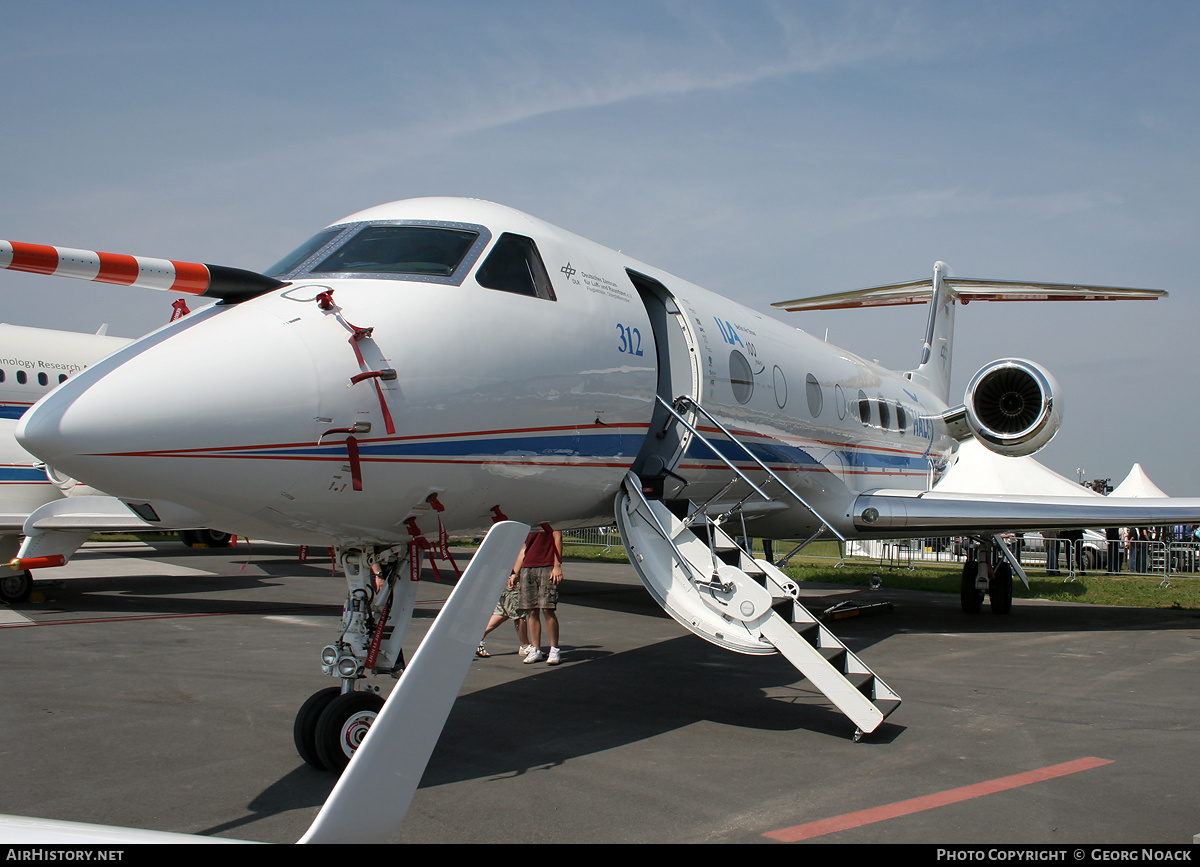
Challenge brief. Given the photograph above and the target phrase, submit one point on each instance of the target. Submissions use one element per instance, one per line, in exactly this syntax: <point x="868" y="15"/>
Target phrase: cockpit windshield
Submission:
<point x="399" y="250"/>
<point x="438" y="253"/>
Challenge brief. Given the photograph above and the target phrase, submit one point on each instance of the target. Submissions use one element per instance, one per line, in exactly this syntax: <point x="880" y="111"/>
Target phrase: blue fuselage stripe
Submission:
<point x="578" y="445"/>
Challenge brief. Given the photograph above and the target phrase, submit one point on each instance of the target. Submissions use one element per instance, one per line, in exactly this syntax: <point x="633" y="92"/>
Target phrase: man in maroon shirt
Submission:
<point x="538" y="571"/>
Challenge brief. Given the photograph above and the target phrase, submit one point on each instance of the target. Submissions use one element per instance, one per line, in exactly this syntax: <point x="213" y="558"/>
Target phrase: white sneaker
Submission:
<point x="525" y="648"/>
<point x="535" y="655"/>
<point x="554" y="657"/>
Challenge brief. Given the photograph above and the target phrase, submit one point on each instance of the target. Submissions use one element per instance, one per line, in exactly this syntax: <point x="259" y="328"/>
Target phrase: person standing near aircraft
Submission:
<point x="538" y="571"/>
<point x="506" y="609"/>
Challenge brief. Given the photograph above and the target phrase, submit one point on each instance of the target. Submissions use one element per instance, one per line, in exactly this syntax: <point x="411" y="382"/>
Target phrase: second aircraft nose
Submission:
<point x="149" y="420"/>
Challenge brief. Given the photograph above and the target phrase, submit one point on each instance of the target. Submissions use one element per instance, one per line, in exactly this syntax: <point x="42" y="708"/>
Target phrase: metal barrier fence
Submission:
<point x="1063" y="557"/>
<point x="601" y="537"/>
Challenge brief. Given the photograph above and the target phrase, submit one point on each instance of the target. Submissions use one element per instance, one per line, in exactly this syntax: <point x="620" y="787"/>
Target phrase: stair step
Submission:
<point x="808" y="631"/>
<point x="835" y="656"/>
<point x="863" y="681"/>
<point x="655" y="529"/>
<point x="887" y="705"/>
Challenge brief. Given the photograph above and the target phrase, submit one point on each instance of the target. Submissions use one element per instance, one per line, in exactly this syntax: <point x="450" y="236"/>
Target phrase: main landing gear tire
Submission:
<point x="16" y="587"/>
<point x="304" y="732"/>
<point x="972" y="598"/>
<point x="215" y="538"/>
<point x="343" y="725"/>
<point x="205" y="538"/>
<point x="1000" y="589"/>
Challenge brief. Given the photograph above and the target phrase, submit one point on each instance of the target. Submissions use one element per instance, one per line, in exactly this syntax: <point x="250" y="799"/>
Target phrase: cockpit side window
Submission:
<point x="297" y="257"/>
<point x="514" y="265"/>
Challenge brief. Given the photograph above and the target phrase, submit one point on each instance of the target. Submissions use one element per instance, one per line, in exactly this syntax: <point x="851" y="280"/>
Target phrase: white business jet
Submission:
<point x="54" y="514"/>
<point x="32" y="362"/>
<point x="431" y="366"/>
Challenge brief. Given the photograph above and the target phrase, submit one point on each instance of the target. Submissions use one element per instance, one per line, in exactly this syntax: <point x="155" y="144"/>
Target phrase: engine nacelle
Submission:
<point x="1011" y="407"/>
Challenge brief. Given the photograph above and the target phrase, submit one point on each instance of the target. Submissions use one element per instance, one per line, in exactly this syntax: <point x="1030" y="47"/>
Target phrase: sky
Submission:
<point x="764" y="150"/>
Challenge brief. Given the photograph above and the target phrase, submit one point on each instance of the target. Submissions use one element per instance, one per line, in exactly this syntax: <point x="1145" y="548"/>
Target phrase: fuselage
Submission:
<point x="453" y="360"/>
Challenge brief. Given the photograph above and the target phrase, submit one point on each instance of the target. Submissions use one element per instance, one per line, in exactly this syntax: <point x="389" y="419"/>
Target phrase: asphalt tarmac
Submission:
<point x="155" y="687"/>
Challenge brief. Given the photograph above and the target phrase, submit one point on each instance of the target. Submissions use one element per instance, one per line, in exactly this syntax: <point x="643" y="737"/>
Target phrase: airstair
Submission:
<point x="717" y="589"/>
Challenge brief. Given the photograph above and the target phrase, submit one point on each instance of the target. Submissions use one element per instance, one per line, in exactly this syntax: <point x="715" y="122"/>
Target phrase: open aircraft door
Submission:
<point x="678" y="363"/>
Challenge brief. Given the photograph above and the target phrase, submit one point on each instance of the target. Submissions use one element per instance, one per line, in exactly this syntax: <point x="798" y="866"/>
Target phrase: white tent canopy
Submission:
<point x="978" y="470"/>
<point x="1137" y="484"/>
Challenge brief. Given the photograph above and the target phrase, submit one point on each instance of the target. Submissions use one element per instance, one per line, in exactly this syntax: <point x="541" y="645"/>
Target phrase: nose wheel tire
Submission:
<point x="342" y="726"/>
<point x="16" y="587"/>
<point x="304" y="731"/>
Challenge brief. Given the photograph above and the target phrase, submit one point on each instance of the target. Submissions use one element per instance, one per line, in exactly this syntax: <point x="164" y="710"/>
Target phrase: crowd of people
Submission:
<point x="1127" y="548"/>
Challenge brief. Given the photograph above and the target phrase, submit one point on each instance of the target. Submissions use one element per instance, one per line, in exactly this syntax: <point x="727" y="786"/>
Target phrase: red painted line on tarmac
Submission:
<point x="928" y="802"/>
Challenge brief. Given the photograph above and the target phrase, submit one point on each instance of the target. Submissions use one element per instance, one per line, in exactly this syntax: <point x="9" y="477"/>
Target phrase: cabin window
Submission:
<point x="780" y="383"/>
<point x="21" y="377"/>
<point x="901" y="419"/>
<point x="514" y="265"/>
<point x="885" y="415"/>
<point x="1" y="376"/>
<point x="741" y="377"/>
<point x="43" y="379"/>
<point x="812" y="390"/>
<point x="864" y="407"/>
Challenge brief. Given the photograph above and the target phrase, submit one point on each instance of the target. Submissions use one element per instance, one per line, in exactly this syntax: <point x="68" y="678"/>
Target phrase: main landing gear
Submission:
<point x="980" y="576"/>
<point x="379" y="602"/>
<point x="15" y="587"/>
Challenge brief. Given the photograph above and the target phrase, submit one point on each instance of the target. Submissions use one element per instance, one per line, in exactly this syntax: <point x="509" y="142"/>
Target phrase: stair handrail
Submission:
<point x="683" y="421"/>
<point x="684" y="399"/>
<point x="633" y="485"/>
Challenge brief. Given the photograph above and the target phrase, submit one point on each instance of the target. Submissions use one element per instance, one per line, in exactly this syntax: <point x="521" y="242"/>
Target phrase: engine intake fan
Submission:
<point x="1011" y="407"/>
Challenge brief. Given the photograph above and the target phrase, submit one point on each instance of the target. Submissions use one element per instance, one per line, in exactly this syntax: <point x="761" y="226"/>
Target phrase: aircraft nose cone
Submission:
<point x="139" y="423"/>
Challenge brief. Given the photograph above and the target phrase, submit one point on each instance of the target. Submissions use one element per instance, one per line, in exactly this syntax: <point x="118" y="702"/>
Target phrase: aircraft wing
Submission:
<point x="55" y="531"/>
<point x="902" y="514"/>
<point x="12" y="522"/>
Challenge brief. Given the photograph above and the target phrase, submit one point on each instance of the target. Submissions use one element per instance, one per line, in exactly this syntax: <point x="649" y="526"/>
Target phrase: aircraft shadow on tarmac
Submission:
<point x="675" y="683"/>
<point x="603" y="700"/>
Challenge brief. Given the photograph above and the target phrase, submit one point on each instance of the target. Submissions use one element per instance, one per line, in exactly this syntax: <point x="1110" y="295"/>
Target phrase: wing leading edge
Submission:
<point x="903" y="514"/>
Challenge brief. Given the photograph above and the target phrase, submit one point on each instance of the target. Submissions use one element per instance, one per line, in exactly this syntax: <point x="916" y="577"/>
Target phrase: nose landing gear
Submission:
<point x="332" y="723"/>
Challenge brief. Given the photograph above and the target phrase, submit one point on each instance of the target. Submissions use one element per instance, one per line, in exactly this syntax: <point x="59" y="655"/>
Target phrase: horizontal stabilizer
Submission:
<point x="920" y="291"/>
